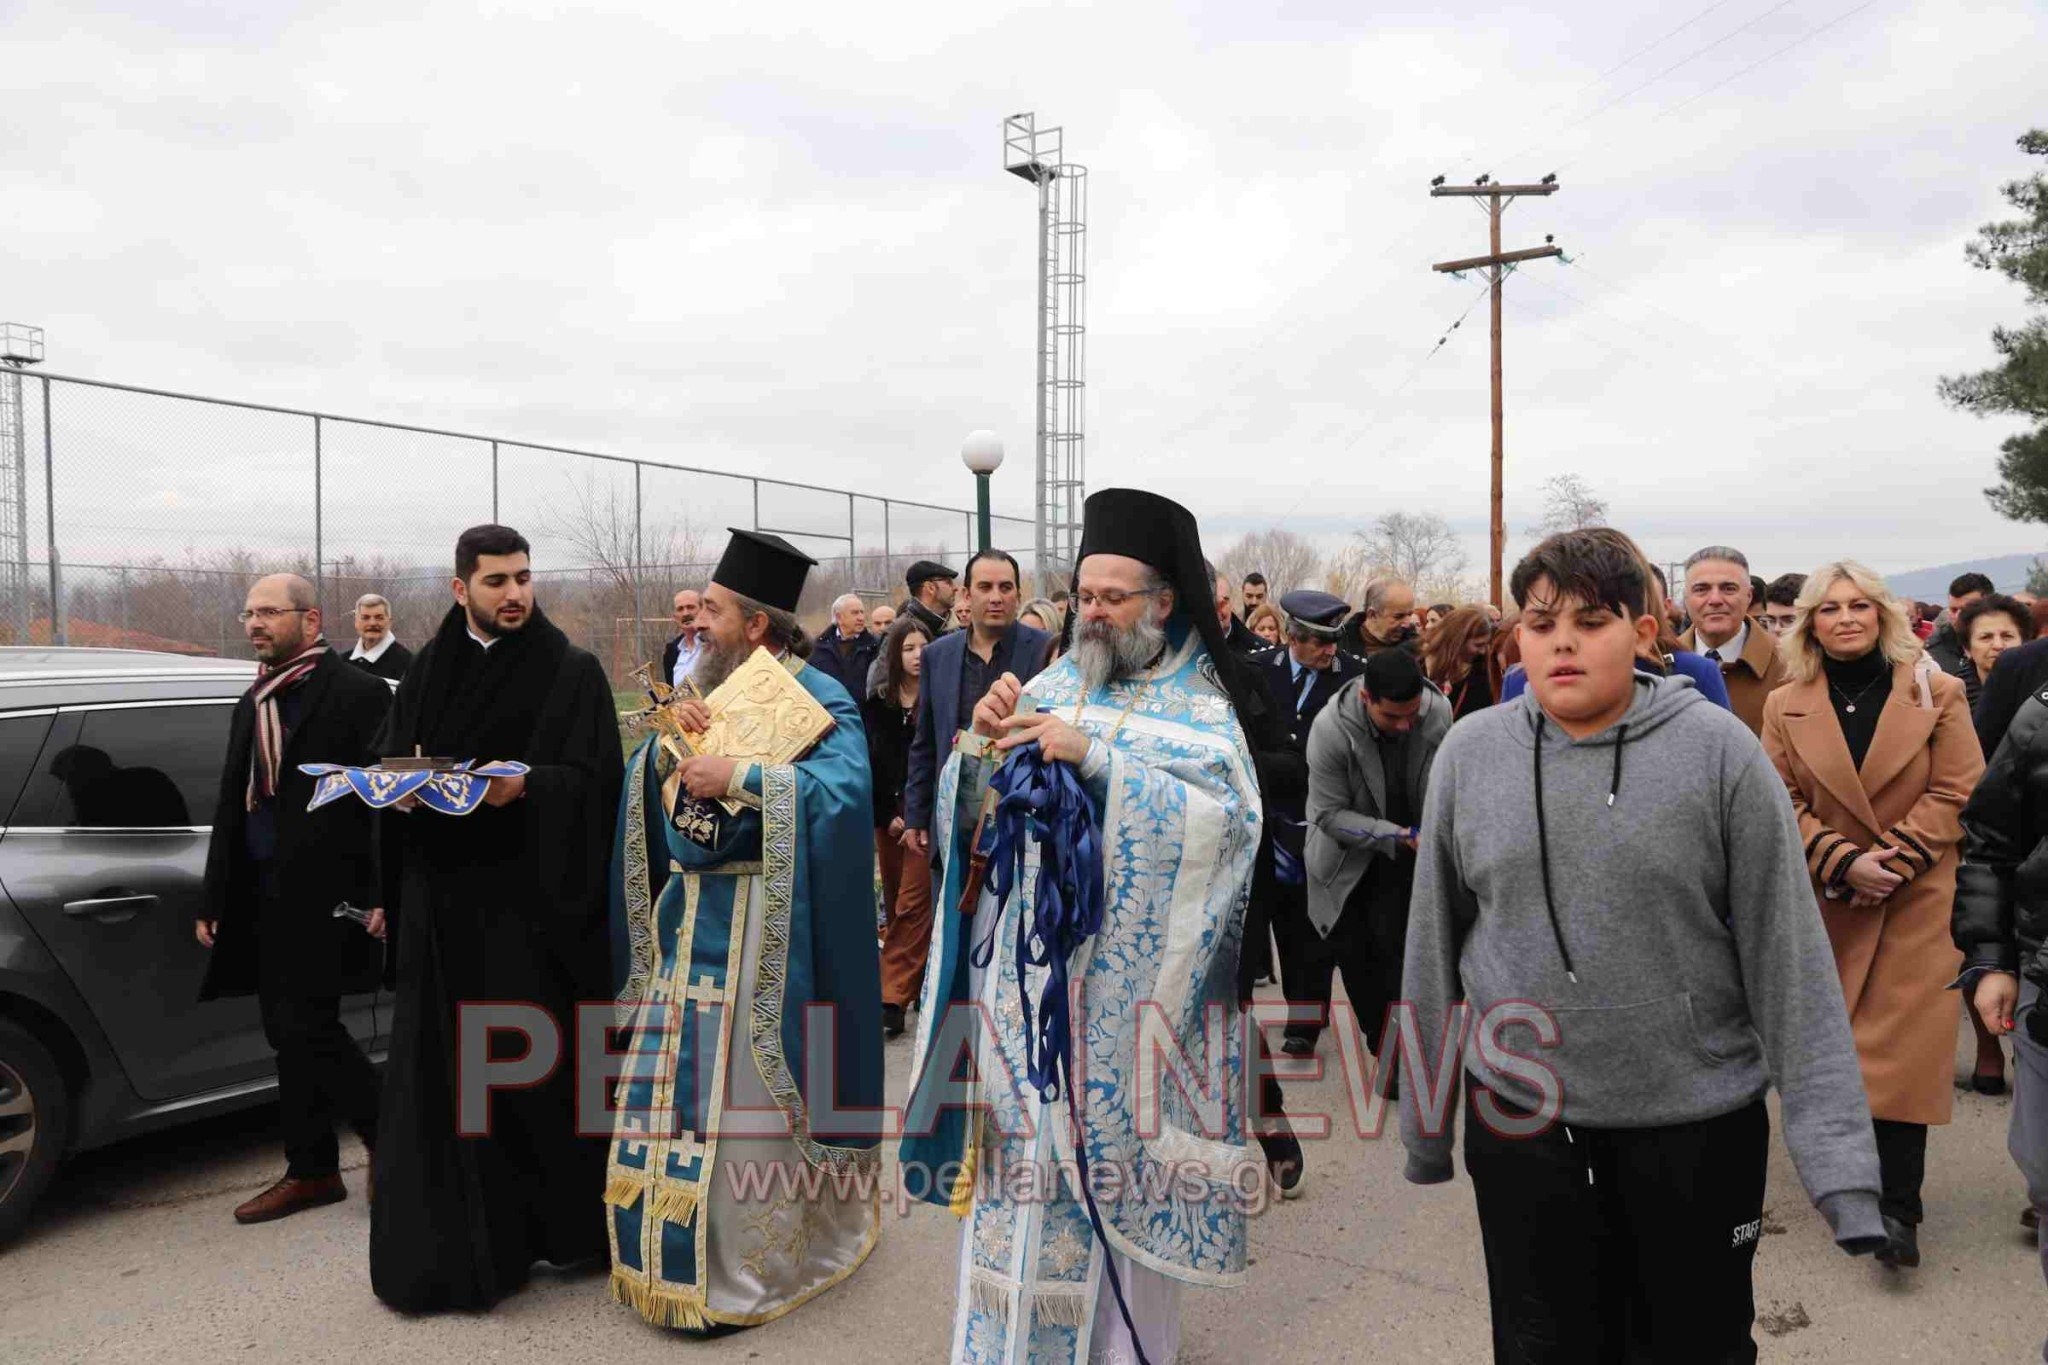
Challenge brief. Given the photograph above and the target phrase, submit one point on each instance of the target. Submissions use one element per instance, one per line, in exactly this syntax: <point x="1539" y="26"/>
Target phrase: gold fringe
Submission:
<point x="623" y="1191"/>
<point x="1068" y="1309"/>
<point x="674" y="1203"/>
<point x="962" y="1202"/>
<point x="663" y="1305"/>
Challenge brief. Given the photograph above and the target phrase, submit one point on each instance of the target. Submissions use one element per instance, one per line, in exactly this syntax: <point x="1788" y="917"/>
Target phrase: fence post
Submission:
<point x="319" y="543"/>
<point x="494" y="483"/>
<point x="888" y="554"/>
<point x="638" y="556"/>
<point x="757" y="502"/>
<point x="852" y="551"/>
<point x="58" y="635"/>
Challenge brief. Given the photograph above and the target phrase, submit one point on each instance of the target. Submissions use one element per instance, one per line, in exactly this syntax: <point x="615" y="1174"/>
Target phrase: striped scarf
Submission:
<point x="269" y="747"/>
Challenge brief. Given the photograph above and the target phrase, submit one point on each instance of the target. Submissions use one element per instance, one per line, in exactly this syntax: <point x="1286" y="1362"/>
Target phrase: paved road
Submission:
<point x="136" y="1258"/>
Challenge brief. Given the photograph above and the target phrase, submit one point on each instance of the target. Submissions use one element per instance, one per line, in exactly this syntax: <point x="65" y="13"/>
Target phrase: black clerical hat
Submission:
<point x="765" y="567"/>
<point x="1141" y="526"/>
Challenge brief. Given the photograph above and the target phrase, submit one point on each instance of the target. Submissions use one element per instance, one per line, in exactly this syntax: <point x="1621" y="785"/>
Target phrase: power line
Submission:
<point x="1677" y="65"/>
<point x="1806" y="37"/>
<point x="1420" y="225"/>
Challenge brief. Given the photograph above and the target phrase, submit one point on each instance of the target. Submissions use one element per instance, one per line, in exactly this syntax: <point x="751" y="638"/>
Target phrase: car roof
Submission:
<point x="55" y="664"/>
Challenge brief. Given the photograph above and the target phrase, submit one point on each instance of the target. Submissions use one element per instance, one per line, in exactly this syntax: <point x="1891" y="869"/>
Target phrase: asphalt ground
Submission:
<point x="135" y="1257"/>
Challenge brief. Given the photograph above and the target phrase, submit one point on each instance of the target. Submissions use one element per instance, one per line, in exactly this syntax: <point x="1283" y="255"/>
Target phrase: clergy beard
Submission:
<point x="717" y="662"/>
<point x="1104" y="653"/>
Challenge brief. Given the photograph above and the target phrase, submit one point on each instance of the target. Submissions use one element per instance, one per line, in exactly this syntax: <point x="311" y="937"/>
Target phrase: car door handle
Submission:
<point x="110" y="909"/>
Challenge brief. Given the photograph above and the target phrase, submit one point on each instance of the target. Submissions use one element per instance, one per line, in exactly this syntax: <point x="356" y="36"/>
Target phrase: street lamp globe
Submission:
<point x="982" y="452"/>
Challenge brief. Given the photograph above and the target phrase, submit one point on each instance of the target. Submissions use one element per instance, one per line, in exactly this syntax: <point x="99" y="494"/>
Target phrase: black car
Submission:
<point x="109" y="766"/>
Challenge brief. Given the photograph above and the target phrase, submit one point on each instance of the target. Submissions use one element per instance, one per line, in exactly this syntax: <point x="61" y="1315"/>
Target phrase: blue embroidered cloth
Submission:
<point x="451" y="791"/>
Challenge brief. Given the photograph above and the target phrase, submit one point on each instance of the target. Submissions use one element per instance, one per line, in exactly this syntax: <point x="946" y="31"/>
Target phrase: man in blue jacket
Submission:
<point x="845" y="650"/>
<point x="958" y="669"/>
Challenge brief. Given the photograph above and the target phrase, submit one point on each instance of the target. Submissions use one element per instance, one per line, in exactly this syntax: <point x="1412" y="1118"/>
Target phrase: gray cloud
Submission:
<point x="778" y="238"/>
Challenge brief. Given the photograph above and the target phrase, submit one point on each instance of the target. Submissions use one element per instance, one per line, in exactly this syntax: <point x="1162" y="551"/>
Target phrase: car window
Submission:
<point x="133" y="768"/>
<point x="21" y="739"/>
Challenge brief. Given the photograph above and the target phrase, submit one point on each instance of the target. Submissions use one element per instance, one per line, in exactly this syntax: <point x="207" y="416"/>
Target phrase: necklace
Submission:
<point x="1141" y="683"/>
<point x="1116" y="729"/>
<point x="1849" y="702"/>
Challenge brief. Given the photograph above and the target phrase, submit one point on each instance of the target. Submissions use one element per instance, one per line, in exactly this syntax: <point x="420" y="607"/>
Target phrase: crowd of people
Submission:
<point x="1648" y="849"/>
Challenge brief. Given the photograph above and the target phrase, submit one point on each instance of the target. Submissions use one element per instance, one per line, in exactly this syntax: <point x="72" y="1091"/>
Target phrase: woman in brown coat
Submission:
<point x="1876" y="747"/>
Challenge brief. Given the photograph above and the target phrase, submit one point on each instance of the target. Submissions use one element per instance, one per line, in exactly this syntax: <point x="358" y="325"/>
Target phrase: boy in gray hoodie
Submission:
<point x="1610" y="888"/>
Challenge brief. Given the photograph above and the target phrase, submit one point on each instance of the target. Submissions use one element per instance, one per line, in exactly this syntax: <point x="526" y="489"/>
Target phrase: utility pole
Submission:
<point x="1497" y="264"/>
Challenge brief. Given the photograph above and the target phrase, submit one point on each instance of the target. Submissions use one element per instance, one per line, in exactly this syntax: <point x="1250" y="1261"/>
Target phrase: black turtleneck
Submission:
<point x="1864" y="682"/>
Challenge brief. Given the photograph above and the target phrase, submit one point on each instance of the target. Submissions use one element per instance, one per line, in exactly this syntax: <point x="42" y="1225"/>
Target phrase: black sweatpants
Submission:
<point x="1621" y="1244"/>
<point x="322" y="1076"/>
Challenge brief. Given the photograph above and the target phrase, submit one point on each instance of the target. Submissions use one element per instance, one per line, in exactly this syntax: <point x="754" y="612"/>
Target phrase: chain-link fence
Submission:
<point x="143" y="515"/>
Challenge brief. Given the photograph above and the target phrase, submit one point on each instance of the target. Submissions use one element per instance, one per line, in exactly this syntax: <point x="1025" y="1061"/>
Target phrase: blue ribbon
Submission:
<point x="1043" y="802"/>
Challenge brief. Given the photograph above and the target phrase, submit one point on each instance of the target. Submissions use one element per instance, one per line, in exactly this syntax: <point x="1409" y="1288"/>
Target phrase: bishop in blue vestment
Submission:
<point x="741" y="1179"/>
<point x="1150" y="713"/>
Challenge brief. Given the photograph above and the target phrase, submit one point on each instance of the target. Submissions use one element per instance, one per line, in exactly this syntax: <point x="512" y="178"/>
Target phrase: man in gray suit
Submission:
<point x="1369" y="757"/>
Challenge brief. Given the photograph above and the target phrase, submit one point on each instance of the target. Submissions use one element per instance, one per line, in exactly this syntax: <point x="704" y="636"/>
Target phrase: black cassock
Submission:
<point x="502" y="904"/>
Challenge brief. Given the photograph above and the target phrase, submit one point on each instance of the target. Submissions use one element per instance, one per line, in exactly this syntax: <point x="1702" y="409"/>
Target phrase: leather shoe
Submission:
<point x="1298" y="1047"/>
<point x="291" y="1195"/>
<point x="892" y="1021"/>
<point x="1284" y="1162"/>
<point x="1902" y="1245"/>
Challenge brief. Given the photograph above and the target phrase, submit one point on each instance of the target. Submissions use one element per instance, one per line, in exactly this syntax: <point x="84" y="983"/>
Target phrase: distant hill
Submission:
<point x="2009" y="572"/>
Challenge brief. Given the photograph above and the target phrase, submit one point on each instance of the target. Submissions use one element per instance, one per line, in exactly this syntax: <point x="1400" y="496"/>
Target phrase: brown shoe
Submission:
<point x="289" y="1196"/>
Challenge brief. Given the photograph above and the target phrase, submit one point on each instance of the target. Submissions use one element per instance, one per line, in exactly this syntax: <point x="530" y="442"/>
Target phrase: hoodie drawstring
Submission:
<point x="1543" y="856"/>
<point x="1543" y="841"/>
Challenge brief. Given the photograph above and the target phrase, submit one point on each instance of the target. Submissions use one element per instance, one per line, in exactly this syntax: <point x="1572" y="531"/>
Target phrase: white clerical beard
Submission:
<point x="716" y="664"/>
<point x="1103" y="653"/>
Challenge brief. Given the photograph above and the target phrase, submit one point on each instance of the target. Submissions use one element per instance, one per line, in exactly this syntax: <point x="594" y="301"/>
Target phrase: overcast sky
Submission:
<point x="777" y="238"/>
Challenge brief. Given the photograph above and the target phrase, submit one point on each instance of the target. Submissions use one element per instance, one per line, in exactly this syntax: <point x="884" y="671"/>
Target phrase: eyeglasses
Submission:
<point x="266" y="614"/>
<point x="1112" y="598"/>
<point x="1778" y="622"/>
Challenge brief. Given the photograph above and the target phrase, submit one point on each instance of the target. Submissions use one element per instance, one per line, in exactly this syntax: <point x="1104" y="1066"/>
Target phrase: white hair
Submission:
<point x="845" y="600"/>
<point x="370" y="599"/>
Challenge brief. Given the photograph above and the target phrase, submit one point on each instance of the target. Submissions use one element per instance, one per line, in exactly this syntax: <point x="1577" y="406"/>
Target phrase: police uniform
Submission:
<point x="1298" y="694"/>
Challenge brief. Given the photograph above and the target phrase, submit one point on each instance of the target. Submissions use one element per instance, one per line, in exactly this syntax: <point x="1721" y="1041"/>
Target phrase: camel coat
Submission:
<point x="1750" y="678"/>
<point x="1896" y="959"/>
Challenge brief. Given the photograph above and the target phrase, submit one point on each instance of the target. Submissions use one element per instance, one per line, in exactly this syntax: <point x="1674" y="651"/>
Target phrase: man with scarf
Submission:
<point x="1150" y="711"/>
<point x="745" y="944"/>
<point x="273" y="873"/>
<point x="504" y="905"/>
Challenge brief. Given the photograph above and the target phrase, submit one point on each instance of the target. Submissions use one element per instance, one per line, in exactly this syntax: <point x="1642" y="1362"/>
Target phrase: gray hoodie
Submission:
<point x="1645" y="889"/>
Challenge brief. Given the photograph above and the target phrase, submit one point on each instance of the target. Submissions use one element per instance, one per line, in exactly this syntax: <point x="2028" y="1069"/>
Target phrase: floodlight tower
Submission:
<point x="20" y="346"/>
<point x="1035" y="154"/>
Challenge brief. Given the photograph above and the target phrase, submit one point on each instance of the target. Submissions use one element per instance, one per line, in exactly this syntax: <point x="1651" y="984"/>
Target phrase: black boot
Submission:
<point x="892" y="1021"/>
<point x="1902" y="1245"/>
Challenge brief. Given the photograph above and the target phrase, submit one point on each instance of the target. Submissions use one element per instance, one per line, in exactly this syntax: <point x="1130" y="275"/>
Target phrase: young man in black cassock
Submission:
<point x="505" y="904"/>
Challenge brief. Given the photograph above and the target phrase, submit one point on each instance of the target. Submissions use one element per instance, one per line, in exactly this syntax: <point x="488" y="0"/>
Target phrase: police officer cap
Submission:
<point x="1320" y="614"/>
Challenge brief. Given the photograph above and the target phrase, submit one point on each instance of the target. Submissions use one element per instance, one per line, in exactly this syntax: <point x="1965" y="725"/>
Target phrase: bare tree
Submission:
<point x="1418" y="548"/>
<point x="1569" y="504"/>
<point x="614" y="591"/>
<point x="1288" y="560"/>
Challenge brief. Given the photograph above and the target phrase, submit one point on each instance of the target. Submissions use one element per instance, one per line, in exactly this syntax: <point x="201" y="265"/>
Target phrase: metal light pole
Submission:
<point x="981" y="452"/>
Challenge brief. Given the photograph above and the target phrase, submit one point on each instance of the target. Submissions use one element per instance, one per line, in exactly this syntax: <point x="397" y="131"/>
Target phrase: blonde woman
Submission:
<point x="1265" y="623"/>
<point x="1047" y="616"/>
<point x="1875" y="746"/>
<point x="1043" y="613"/>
